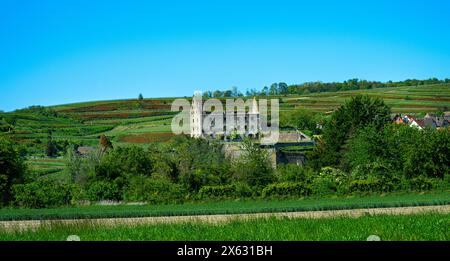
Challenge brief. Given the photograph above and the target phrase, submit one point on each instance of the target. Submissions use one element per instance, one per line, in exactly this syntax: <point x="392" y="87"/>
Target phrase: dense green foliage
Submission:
<point x="43" y="193"/>
<point x="12" y="169"/>
<point x="399" y="148"/>
<point x="215" y="192"/>
<point x="387" y="227"/>
<point x="155" y="189"/>
<point x="286" y="189"/>
<point x="358" y="152"/>
<point x="254" y="167"/>
<point x="356" y="113"/>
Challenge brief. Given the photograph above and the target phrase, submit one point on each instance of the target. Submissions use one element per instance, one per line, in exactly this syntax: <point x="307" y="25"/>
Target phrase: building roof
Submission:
<point x="84" y="150"/>
<point x="292" y="136"/>
<point x="420" y="122"/>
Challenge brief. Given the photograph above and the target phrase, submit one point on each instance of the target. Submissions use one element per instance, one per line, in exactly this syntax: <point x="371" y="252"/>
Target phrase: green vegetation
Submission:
<point x="318" y="87"/>
<point x="12" y="169"/>
<point x="397" y="227"/>
<point x="344" y="122"/>
<point x="134" y="158"/>
<point x="230" y="206"/>
<point x="42" y="193"/>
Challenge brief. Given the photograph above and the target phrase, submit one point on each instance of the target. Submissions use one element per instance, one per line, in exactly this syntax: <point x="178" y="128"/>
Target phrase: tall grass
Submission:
<point x="228" y="207"/>
<point x="408" y="227"/>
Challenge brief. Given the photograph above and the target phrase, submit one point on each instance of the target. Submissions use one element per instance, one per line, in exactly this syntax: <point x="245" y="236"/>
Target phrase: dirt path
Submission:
<point x="214" y="219"/>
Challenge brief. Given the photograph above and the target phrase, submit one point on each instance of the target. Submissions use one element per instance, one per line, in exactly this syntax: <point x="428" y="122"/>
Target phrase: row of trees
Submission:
<point x="312" y="87"/>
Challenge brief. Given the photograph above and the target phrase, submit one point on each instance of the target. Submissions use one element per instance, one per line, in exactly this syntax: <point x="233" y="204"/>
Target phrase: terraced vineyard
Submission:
<point x="411" y="99"/>
<point x="148" y="121"/>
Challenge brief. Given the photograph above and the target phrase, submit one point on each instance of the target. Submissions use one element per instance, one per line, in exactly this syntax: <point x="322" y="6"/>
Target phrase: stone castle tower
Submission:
<point x="249" y="122"/>
<point x="196" y="116"/>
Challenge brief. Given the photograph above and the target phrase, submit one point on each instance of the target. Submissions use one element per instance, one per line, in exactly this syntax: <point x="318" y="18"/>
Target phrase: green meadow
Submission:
<point x="421" y="227"/>
<point x="230" y="206"/>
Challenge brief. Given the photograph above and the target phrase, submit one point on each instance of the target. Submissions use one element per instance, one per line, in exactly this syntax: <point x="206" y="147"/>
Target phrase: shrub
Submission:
<point x="154" y="189"/>
<point x="103" y="190"/>
<point x="429" y="157"/>
<point x="365" y="185"/>
<point x="383" y="174"/>
<point x="253" y="167"/>
<point x="294" y="173"/>
<point x="422" y="183"/>
<point x="122" y="161"/>
<point x="285" y="189"/>
<point x="42" y="193"/>
<point x="234" y="190"/>
<point x="12" y="168"/>
<point x="445" y="183"/>
<point x="222" y="191"/>
<point x="330" y="181"/>
<point x="243" y="190"/>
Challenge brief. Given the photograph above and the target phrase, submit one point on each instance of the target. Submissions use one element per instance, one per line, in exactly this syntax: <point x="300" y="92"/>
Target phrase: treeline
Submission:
<point x="318" y="86"/>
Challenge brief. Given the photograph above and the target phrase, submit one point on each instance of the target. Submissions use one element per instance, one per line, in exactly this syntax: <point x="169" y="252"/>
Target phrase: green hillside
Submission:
<point x="148" y="121"/>
<point x="412" y="99"/>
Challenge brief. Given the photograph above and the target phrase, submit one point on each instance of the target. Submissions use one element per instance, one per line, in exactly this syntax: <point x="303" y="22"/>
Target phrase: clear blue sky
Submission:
<point x="55" y="52"/>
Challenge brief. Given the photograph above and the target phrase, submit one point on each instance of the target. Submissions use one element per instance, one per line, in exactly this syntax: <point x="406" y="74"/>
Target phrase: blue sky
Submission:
<point x="55" y="52"/>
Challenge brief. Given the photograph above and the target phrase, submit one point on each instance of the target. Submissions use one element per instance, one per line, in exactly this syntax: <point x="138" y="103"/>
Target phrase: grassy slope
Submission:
<point x="228" y="207"/>
<point x="420" y="99"/>
<point x="407" y="227"/>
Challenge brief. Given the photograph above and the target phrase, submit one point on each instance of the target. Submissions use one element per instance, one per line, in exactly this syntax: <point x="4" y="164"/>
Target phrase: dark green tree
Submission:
<point x="217" y="94"/>
<point x="282" y="88"/>
<point x="254" y="166"/>
<point x="356" y="113"/>
<point x="198" y="162"/>
<point x="273" y="90"/>
<point x="51" y="149"/>
<point x="12" y="168"/>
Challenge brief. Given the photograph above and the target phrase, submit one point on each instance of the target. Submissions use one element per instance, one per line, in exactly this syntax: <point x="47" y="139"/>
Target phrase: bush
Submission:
<point x="445" y="182"/>
<point x="123" y="161"/>
<point x="223" y="191"/>
<point x="422" y="183"/>
<point x="43" y="193"/>
<point x="366" y="185"/>
<point x="155" y="189"/>
<point x="235" y="190"/>
<point x="12" y="169"/>
<point x="285" y="189"/>
<point x="330" y="181"/>
<point x="381" y="176"/>
<point x="244" y="190"/>
<point x="294" y="173"/>
<point x="103" y="190"/>
<point x="253" y="167"/>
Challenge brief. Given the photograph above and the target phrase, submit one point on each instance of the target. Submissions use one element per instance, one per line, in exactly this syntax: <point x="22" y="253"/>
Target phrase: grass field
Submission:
<point x="229" y="207"/>
<point x="431" y="226"/>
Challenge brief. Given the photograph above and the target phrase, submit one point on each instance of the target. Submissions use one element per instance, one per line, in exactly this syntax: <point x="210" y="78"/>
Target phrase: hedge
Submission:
<point x="285" y="189"/>
<point x="43" y="193"/>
